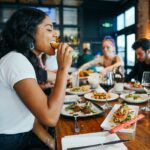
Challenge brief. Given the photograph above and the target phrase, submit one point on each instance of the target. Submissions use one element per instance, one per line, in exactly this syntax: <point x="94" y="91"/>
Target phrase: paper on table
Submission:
<point x="92" y="138"/>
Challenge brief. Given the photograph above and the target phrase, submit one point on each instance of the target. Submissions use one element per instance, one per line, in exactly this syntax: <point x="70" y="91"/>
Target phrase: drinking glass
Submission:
<point x="107" y="82"/>
<point x="146" y="86"/>
<point x="75" y="80"/>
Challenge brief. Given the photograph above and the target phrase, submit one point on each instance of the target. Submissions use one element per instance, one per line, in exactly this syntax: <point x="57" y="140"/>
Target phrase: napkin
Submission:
<point x="90" y="139"/>
<point x="71" y="98"/>
<point x="93" y="80"/>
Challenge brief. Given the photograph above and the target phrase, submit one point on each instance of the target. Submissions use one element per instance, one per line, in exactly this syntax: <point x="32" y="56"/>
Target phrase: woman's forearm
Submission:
<point x="56" y="100"/>
<point x="43" y="135"/>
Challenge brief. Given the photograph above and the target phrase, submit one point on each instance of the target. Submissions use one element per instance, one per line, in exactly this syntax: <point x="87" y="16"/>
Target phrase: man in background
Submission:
<point x="86" y="56"/>
<point x="142" y="51"/>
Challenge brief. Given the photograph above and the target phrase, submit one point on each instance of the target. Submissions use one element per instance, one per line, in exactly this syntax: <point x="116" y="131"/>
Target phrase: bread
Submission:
<point x="54" y="45"/>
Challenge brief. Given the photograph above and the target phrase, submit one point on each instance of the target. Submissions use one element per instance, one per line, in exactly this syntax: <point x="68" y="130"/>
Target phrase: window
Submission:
<point x="121" y="46"/>
<point x="126" y="36"/>
<point x="130" y="51"/>
<point x="70" y="16"/>
<point x="120" y="22"/>
<point x="71" y="35"/>
<point x="53" y="13"/>
<point x="130" y="17"/>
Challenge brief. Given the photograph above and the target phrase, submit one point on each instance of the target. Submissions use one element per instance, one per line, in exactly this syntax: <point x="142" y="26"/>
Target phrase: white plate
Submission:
<point x="143" y="98"/>
<point x="127" y="86"/>
<point x="71" y="98"/>
<point x="113" y="96"/>
<point x="76" y="93"/>
<point x="120" y="92"/>
<point x="98" y="110"/>
<point x="107" y="124"/>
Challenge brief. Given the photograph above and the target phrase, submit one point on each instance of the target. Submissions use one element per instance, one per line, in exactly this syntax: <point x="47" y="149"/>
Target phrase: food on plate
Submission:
<point x="135" y="85"/>
<point x="84" y="73"/>
<point x="84" y="88"/>
<point x="123" y="113"/>
<point x="127" y="123"/>
<point x="133" y="96"/>
<point x="54" y="44"/>
<point x="100" y="95"/>
<point x="85" y="108"/>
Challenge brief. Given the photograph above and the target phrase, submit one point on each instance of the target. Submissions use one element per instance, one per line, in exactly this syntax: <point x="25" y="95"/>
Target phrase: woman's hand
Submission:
<point x="64" y="56"/>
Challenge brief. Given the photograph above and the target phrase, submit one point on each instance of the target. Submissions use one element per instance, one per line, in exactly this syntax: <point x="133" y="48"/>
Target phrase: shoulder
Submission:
<point x="16" y="67"/>
<point x="15" y="56"/>
<point x="15" y="59"/>
<point x="117" y="57"/>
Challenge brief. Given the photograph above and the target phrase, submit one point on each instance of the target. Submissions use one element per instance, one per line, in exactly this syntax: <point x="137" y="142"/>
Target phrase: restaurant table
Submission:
<point x="139" y="140"/>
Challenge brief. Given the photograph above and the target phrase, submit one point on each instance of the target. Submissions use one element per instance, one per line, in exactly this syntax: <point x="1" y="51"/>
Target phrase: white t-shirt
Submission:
<point x="15" y="117"/>
<point x="51" y="62"/>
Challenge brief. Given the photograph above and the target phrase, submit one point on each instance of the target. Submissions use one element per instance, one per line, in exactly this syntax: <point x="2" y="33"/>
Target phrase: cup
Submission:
<point x="119" y="86"/>
<point x="75" y="80"/>
<point x="93" y="80"/>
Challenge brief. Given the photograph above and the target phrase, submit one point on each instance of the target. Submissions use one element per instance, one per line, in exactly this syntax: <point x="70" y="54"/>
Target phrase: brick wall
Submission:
<point x="143" y="21"/>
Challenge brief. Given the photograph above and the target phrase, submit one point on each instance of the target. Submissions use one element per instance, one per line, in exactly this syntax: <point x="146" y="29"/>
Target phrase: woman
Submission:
<point x="26" y="35"/>
<point x="109" y="60"/>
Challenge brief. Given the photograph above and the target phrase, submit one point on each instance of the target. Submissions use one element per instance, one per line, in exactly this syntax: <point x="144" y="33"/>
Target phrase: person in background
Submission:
<point x="26" y="35"/>
<point x="109" y="60"/>
<point x="142" y="51"/>
<point x="86" y="56"/>
<point x="47" y="77"/>
<point x="51" y="63"/>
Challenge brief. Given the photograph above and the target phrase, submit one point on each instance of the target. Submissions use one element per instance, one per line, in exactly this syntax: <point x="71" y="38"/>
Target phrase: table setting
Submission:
<point x="94" y="125"/>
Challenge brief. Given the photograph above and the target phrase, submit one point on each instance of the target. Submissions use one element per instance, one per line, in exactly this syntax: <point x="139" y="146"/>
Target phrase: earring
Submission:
<point x="31" y="46"/>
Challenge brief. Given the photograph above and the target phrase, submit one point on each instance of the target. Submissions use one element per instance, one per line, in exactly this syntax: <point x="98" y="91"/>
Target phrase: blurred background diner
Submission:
<point x="85" y="21"/>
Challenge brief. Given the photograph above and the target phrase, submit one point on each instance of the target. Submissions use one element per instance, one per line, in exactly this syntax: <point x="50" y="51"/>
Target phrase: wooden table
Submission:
<point x="140" y="140"/>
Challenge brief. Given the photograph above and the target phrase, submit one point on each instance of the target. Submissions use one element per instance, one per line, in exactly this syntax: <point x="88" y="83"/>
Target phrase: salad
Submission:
<point x="135" y="85"/>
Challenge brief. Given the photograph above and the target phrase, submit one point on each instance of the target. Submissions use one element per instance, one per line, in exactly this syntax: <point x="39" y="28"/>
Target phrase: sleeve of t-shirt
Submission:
<point x="18" y="68"/>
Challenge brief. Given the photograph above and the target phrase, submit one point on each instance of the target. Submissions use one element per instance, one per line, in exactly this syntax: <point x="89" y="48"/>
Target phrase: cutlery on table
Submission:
<point x="76" y="126"/>
<point x="101" y="144"/>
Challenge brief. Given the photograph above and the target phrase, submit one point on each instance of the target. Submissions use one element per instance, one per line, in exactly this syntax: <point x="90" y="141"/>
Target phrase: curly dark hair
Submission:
<point x="19" y="33"/>
<point x="141" y="43"/>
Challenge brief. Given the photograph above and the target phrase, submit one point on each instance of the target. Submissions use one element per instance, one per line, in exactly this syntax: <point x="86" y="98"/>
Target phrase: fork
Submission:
<point x="76" y="126"/>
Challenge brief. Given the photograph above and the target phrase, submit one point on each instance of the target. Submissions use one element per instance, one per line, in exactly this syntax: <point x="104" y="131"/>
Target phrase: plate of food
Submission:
<point x="81" y="109"/>
<point x="101" y="96"/>
<point x="119" y="114"/>
<point x="79" y="90"/>
<point x="135" y="98"/>
<point x="136" y="86"/>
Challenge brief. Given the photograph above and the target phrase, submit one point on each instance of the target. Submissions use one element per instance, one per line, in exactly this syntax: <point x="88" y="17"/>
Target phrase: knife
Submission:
<point x="101" y="144"/>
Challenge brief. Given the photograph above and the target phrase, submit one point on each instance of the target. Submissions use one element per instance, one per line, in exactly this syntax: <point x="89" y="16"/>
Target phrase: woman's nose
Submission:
<point x="55" y="34"/>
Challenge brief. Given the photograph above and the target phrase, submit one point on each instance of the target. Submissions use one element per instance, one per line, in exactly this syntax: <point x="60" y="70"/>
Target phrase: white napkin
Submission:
<point x="71" y="98"/>
<point x="93" y="80"/>
<point x="90" y="139"/>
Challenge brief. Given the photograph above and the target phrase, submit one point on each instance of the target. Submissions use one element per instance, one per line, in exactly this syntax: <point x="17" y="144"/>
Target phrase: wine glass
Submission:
<point x="107" y="82"/>
<point x="146" y="86"/>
